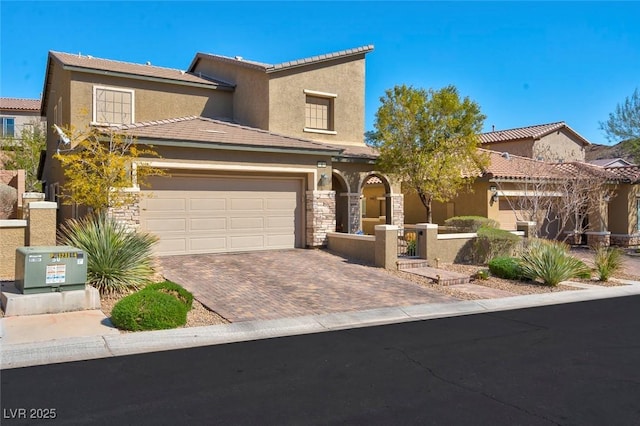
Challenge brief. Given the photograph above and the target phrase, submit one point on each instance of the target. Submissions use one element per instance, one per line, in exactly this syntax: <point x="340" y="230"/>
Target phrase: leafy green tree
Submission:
<point x="429" y="139"/>
<point x="102" y="167"/>
<point x="24" y="153"/>
<point x="624" y="125"/>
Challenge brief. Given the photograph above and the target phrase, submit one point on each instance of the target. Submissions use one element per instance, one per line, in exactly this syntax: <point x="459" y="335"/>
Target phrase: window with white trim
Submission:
<point x="112" y="105"/>
<point x="8" y="127"/>
<point x="319" y="112"/>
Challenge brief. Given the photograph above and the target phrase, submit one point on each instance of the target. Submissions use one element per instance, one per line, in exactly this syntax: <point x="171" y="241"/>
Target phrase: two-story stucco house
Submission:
<point x="259" y="156"/>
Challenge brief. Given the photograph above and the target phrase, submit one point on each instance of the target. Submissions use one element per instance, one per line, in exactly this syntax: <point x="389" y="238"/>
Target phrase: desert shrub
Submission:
<point x="551" y="263"/>
<point x="173" y="289"/>
<point x="506" y="267"/>
<point x="8" y="200"/>
<point x="482" y="274"/>
<point x="118" y="259"/>
<point x="470" y="223"/>
<point x="149" y="310"/>
<point x="493" y="242"/>
<point x="607" y="260"/>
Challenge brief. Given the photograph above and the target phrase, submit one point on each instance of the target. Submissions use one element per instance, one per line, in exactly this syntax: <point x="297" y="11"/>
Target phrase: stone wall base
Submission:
<point x="625" y="240"/>
<point x="321" y="217"/>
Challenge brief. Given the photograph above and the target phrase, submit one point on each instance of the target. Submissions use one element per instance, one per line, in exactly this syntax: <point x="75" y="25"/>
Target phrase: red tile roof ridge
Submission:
<point x="23" y="104"/>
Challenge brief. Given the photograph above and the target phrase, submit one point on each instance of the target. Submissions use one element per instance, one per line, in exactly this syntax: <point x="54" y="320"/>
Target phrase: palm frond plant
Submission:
<point x="551" y="263"/>
<point x="118" y="259"/>
<point x="607" y="260"/>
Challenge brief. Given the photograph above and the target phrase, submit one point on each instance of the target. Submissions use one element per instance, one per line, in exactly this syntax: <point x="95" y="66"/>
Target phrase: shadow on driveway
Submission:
<point x="289" y="283"/>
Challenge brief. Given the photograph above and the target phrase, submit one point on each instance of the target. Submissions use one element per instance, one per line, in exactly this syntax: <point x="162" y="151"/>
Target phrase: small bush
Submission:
<point x="493" y="242"/>
<point x="149" y="310"/>
<point x="482" y="274"/>
<point x="608" y="260"/>
<point x="173" y="289"/>
<point x="118" y="259"/>
<point x="471" y="223"/>
<point x="506" y="267"/>
<point x="551" y="263"/>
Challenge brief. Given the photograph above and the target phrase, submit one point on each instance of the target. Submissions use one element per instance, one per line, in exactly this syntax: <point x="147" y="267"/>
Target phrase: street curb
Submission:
<point x="84" y="348"/>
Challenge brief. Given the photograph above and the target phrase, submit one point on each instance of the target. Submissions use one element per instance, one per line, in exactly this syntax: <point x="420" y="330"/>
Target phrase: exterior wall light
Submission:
<point x="322" y="164"/>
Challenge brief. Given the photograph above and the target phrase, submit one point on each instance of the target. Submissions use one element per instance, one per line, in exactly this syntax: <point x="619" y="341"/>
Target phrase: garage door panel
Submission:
<point x="208" y="224"/>
<point x="166" y="225"/>
<point x="207" y="204"/>
<point x="246" y="242"/>
<point x="246" y="223"/>
<point x="217" y="215"/>
<point x="250" y="204"/>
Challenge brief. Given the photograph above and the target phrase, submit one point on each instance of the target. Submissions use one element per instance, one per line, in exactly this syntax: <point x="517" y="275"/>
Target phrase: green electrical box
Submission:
<point x="50" y="269"/>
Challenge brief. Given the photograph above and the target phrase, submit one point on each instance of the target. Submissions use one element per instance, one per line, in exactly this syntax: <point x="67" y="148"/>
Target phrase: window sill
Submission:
<point x="323" y="132"/>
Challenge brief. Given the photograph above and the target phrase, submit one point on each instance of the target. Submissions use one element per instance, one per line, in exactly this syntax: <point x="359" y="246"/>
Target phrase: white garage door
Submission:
<point x="219" y="214"/>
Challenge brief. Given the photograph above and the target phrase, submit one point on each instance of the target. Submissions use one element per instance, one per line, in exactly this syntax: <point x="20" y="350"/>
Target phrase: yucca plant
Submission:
<point x="607" y="260"/>
<point x="118" y="258"/>
<point x="551" y="263"/>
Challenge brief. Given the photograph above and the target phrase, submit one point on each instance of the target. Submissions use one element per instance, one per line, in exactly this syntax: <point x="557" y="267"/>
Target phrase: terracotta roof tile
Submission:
<point x="508" y="166"/>
<point x="20" y="104"/>
<point x="629" y="174"/>
<point x="171" y="74"/>
<point x="217" y="132"/>
<point x="283" y="65"/>
<point x="529" y="132"/>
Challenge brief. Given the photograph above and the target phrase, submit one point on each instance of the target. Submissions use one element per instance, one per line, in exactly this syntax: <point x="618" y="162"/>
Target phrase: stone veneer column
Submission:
<point x="397" y="210"/>
<point x="321" y="216"/>
<point x="354" y="213"/>
<point x="598" y="239"/>
<point x="129" y="214"/>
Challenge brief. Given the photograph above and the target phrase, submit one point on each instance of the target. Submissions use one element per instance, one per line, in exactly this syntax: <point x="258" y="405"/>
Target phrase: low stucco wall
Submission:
<point x="353" y="246"/>
<point x="12" y="236"/>
<point x="453" y="248"/>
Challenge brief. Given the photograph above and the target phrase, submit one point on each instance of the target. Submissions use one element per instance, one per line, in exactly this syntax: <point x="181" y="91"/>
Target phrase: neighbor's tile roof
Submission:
<point x="108" y="65"/>
<point x="630" y="174"/>
<point x="216" y="132"/>
<point x="508" y="166"/>
<point x="284" y="65"/>
<point x="20" y="104"/>
<point x="529" y="132"/>
<point x="611" y="162"/>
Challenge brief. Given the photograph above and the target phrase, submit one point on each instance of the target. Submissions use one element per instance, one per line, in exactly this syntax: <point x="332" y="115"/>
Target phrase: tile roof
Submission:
<point x="529" y="132"/>
<point x="611" y="162"/>
<point x="268" y="68"/>
<point x="629" y="174"/>
<point x="91" y="63"/>
<point x="20" y="104"/>
<point x="216" y="132"/>
<point x="503" y="165"/>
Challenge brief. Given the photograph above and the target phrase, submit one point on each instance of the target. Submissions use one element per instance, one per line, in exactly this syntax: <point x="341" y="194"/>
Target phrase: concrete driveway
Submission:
<point x="290" y="283"/>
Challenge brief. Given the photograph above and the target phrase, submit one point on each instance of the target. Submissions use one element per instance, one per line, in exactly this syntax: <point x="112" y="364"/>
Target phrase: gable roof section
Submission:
<point x="89" y="64"/>
<point x="20" y="104"/>
<point x="270" y="68"/>
<point x="611" y="162"/>
<point x="528" y="133"/>
<point x="201" y="132"/>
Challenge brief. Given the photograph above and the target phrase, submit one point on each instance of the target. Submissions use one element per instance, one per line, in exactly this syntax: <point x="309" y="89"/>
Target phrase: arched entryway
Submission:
<point x="341" y="187"/>
<point x="376" y="207"/>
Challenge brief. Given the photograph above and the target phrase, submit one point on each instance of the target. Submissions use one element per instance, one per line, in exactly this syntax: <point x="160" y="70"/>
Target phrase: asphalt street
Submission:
<point x="571" y="364"/>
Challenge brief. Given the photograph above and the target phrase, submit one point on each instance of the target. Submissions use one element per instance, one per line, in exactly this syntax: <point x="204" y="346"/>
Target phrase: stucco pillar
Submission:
<point x="321" y="217"/>
<point x="427" y="240"/>
<point x="27" y="198"/>
<point x="397" y="209"/>
<point x="41" y="230"/>
<point x="354" y="213"/>
<point x="386" y="252"/>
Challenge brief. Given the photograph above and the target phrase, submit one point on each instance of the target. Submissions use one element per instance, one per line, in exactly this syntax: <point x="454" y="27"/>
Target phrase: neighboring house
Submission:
<point x="259" y="156"/>
<point x="555" y="142"/>
<point x="611" y="162"/>
<point x="16" y="113"/>
<point x="516" y="171"/>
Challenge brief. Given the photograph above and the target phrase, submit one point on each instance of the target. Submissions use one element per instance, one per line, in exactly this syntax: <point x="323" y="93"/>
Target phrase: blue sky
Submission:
<point x="524" y="63"/>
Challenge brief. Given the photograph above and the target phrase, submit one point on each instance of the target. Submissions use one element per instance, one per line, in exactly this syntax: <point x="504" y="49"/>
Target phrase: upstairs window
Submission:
<point x="113" y="106"/>
<point x="319" y="111"/>
<point x="8" y="127"/>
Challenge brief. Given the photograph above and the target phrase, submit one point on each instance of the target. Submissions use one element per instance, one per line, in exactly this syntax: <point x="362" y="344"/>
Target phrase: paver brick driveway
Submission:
<point x="289" y="283"/>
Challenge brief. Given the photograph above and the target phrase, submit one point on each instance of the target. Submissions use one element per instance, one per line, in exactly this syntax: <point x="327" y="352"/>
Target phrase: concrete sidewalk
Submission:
<point x="24" y="339"/>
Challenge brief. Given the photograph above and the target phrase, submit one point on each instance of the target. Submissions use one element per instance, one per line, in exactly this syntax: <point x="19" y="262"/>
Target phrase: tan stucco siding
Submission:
<point x="251" y="96"/>
<point x="343" y="78"/>
<point x="522" y="148"/>
<point x="559" y="146"/>
<point x="623" y="216"/>
<point x="153" y="100"/>
<point x="58" y="95"/>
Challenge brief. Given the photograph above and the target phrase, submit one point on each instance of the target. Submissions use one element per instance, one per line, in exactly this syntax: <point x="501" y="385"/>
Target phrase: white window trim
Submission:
<point x="324" y="132"/>
<point x="95" y="122"/>
<point x="319" y="94"/>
